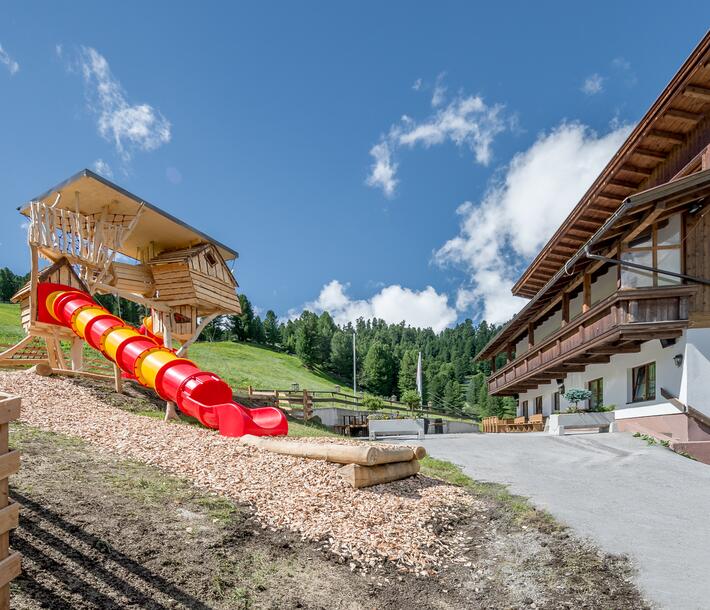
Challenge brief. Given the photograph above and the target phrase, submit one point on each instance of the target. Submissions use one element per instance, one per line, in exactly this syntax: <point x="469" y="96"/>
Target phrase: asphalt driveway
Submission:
<point x="631" y="498"/>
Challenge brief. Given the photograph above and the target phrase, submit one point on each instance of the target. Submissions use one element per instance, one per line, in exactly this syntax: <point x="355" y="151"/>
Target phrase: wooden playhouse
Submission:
<point x="95" y="236"/>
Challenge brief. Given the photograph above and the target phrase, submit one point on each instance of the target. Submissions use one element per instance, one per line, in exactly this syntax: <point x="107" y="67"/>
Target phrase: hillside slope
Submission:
<point x="240" y="364"/>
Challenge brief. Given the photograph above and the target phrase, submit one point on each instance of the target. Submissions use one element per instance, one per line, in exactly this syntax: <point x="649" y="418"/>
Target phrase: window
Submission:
<point x="660" y="247"/>
<point x="211" y="260"/>
<point x="555" y="401"/>
<point x="538" y="405"/>
<point x="525" y="409"/>
<point x="643" y="382"/>
<point x="596" y="387"/>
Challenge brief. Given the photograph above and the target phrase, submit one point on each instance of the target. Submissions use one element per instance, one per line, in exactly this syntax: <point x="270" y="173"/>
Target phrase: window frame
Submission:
<point x="538" y="405"/>
<point x="596" y="387"/>
<point x="654" y="249"/>
<point x="555" y="402"/>
<point x="648" y="381"/>
<point x="524" y="409"/>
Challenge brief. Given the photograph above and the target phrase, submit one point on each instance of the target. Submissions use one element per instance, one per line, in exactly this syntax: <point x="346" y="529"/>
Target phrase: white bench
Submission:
<point x="395" y="427"/>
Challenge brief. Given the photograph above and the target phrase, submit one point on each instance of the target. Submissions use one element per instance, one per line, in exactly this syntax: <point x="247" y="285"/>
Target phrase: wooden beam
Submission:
<point x="684" y="115"/>
<point x="635" y="169"/>
<point x="670" y="136"/>
<point x="698" y="93"/>
<point x="531" y="335"/>
<point x="644" y="224"/>
<point x="586" y="292"/>
<point x="651" y="154"/>
<point x="565" y="308"/>
<point x="200" y="327"/>
<point x="627" y="184"/>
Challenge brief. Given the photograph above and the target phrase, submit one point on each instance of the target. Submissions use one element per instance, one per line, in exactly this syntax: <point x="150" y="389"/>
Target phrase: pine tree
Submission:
<point x="408" y="372"/>
<point x="271" y="328"/>
<point x="453" y="397"/>
<point x="379" y="369"/>
<point x="256" y="331"/>
<point x="341" y="355"/>
<point x="326" y="330"/>
<point x="308" y="339"/>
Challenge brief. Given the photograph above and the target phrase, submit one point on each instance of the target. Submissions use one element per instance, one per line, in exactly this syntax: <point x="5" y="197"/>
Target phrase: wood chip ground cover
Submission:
<point x="474" y="553"/>
<point x="408" y="522"/>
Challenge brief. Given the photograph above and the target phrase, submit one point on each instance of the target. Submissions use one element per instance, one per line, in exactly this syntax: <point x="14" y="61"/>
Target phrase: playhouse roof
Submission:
<point x="154" y="225"/>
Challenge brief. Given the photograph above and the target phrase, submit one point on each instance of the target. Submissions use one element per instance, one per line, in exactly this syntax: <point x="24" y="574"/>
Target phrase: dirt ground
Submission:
<point x="98" y="532"/>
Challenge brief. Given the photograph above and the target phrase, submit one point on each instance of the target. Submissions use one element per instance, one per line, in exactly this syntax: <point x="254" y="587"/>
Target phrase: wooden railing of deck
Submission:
<point x="625" y="308"/>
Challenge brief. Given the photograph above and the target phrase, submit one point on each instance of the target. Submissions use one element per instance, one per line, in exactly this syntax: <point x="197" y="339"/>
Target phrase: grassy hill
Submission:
<point x="239" y="364"/>
<point x="10" y="327"/>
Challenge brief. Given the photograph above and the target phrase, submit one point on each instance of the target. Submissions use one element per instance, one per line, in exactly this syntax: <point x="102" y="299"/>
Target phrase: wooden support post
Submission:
<point x="531" y="335"/>
<point x="167" y="317"/>
<point x="182" y="352"/>
<point x="493" y="364"/>
<point x="586" y="293"/>
<point x="509" y="352"/>
<point x="77" y="354"/>
<point x="34" y="273"/>
<point x="565" y="308"/>
<point x="10" y="563"/>
<point x="117" y="379"/>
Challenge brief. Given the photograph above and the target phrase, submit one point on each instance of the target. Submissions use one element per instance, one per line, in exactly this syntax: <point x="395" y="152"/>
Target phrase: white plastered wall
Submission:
<point x="695" y="386"/>
<point x="617" y="379"/>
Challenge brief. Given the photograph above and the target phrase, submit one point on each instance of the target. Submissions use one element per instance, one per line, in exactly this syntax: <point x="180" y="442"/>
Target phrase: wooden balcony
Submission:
<point x="618" y="324"/>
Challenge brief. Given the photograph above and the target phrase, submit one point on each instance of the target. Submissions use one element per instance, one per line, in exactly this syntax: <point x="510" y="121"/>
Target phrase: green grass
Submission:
<point x="10" y="327"/>
<point x="243" y="364"/>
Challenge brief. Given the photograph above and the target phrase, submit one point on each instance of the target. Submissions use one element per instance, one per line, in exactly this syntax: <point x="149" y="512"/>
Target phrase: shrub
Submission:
<point x="576" y="395"/>
<point x="372" y="403"/>
<point x="412" y="399"/>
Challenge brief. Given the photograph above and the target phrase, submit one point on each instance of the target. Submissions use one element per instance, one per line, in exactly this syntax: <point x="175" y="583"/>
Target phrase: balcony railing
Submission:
<point x="626" y="317"/>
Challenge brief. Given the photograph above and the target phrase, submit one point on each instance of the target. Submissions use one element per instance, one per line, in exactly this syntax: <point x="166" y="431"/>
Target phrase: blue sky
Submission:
<point x="396" y="159"/>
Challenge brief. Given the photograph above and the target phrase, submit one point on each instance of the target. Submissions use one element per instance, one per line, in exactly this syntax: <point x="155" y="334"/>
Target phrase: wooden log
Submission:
<point x="366" y="455"/>
<point x="365" y="476"/>
<point x="419" y="452"/>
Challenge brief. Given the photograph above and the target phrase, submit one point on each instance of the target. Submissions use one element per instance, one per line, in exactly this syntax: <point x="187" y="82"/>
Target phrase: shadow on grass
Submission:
<point x="51" y="545"/>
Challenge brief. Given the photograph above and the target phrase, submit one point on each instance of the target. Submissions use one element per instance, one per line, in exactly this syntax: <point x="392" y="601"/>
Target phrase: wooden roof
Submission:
<point x="154" y="225"/>
<point x="680" y="113"/>
<point x="172" y="256"/>
<point x="44" y="275"/>
<point x="640" y="209"/>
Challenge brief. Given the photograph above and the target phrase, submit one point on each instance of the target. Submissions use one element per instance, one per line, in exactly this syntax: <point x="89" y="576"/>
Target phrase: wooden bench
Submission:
<point x="537" y="423"/>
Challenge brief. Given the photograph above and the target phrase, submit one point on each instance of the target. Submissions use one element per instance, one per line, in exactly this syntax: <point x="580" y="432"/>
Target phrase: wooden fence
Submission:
<point x="315" y="399"/>
<point x="10" y="561"/>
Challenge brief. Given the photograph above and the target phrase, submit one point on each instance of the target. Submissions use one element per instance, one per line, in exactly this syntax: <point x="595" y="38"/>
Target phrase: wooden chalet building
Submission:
<point x="620" y="295"/>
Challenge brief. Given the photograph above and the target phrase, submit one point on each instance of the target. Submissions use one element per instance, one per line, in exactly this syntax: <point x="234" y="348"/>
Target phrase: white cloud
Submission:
<point x="466" y="121"/>
<point x="103" y="168"/>
<point x="383" y="170"/>
<point x="593" y="84"/>
<point x="439" y="95"/>
<point x="520" y="211"/>
<point x="423" y="309"/>
<point x="417" y="84"/>
<point x="11" y="64"/>
<point x="129" y="126"/>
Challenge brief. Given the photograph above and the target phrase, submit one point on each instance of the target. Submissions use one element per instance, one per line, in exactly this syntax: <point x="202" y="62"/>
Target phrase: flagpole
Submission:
<point x="354" y="370"/>
<point x="419" y="376"/>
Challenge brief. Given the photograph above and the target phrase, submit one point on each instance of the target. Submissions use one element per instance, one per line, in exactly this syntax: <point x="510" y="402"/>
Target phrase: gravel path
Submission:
<point x="410" y="522"/>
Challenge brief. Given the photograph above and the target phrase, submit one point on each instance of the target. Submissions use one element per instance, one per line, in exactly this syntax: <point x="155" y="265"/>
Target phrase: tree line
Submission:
<point x="386" y="354"/>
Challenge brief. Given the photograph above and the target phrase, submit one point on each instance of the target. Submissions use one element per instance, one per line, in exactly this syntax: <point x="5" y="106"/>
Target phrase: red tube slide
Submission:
<point x="197" y="393"/>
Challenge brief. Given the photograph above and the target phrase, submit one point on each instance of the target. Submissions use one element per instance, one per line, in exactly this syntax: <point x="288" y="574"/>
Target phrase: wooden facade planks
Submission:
<point x="10" y="562"/>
